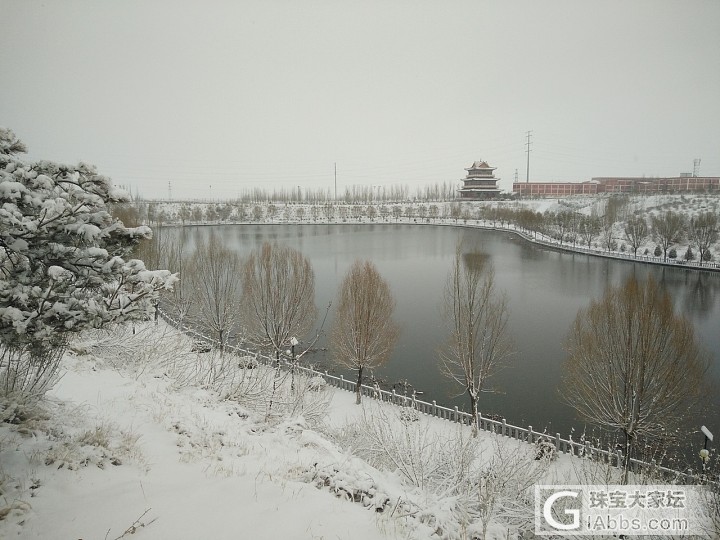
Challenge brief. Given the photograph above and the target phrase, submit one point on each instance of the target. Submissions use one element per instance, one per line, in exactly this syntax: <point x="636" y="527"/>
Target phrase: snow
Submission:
<point x="201" y="470"/>
<point x="11" y="190"/>
<point x="120" y="443"/>
<point x="58" y="273"/>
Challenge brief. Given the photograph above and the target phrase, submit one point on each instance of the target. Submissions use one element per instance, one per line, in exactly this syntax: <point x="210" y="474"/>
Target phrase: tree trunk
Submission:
<point x="358" y="387"/>
<point x="474" y="412"/>
<point x="626" y="457"/>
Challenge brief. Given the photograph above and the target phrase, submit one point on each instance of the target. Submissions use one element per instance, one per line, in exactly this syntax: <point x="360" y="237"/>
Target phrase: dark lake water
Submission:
<point x="545" y="288"/>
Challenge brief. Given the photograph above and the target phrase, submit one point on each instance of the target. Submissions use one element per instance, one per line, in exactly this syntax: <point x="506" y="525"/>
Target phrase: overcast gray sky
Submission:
<point x="241" y="94"/>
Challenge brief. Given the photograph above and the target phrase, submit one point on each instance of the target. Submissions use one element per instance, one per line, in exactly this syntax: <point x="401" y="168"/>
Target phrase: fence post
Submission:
<point x="530" y="435"/>
<point x="619" y="455"/>
<point x="557" y="443"/>
<point x="342" y="382"/>
<point x="456" y="413"/>
<point x="434" y="404"/>
<point x="394" y="397"/>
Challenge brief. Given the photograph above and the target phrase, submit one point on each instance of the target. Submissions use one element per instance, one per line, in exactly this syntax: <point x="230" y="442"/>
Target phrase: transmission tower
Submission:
<point x="169" y="191"/>
<point x="527" y="176"/>
<point x="696" y="166"/>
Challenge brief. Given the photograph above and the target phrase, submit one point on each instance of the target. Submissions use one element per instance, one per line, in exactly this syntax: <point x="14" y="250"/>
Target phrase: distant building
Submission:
<point x="480" y="182"/>
<point x="676" y="184"/>
<point x="554" y="189"/>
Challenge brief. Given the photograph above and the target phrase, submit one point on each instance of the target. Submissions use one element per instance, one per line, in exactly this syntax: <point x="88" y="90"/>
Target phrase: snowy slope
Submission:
<point x="132" y="442"/>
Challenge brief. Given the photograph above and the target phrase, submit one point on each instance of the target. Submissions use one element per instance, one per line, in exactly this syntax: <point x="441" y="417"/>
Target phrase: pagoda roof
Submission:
<point x="480" y="165"/>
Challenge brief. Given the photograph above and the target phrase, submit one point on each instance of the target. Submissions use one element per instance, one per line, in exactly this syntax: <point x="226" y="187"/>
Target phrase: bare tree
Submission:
<point x="563" y="223"/>
<point x="589" y="229"/>
<point x="607" y="234"/>
<point x="181" y="300"/>
<point x="633" y="365"/>
<point x="668" y="229"/>
<point x="278" y="296"/>
<point x="636" y="232"/>
<point x="213" y="274"/>
<point x="477" y="317"/>
<point x="704" y="232"/>
<point x="363" y="333"/>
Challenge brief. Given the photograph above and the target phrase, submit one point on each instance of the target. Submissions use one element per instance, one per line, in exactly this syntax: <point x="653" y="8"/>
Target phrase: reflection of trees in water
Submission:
<point x="475" y="260"/>
<point x="700" y="290"/>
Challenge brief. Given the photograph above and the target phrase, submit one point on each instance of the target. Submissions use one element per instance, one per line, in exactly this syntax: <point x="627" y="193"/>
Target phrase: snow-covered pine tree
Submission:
<point x="64" y="264"/>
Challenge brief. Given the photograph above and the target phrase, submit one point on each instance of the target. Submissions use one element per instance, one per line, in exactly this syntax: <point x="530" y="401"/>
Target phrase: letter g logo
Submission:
<point x="547" y="511"/>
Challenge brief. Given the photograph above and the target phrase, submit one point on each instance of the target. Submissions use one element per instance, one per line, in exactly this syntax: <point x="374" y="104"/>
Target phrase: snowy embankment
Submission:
<point x="134" y="440"/>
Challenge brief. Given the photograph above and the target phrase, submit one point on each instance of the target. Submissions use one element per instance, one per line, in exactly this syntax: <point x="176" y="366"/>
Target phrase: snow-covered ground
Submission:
<point x="128" y="444"/>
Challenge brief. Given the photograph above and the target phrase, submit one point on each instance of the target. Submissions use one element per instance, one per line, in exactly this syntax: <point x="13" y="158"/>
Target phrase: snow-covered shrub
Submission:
<point x="409" y="414"/>
<point x="689" y="254"/>
<point x="25" y="376"/>
<point x="99" y="446"/>
<point x="545" y="450"/>
<point x="672" y="253"/>
<point x="505" y="492"/>
<point x="658" y="251"/>
<point x="277" y="395"/>
<point x="304" y="398"/>
<point x="134" y="348"/>
<point x="317" y="383"/>
<point x="248" y="362"/>
<point x="410" y="449"/>
<point x="452" y="487"/>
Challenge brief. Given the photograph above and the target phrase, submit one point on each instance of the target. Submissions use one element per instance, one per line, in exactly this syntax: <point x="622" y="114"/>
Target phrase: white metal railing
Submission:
<point x="498" y="427"/>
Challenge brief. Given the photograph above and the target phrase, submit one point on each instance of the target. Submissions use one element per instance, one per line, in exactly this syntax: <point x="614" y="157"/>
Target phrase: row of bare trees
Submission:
<point x="268" y="301"/>
<point x="214" y="213"/>
<point x="667" y="229"/>
<point x="352" y="194"/>
<point x="633" y="366"/>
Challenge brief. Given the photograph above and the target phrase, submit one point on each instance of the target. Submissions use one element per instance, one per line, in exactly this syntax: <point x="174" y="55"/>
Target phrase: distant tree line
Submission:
<point x="353" y="194"/>
<point x="614" y="229"/>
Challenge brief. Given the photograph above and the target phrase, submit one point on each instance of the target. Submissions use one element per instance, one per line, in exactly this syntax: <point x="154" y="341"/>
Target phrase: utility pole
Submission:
<point x="516" y="177"/>
<point x="527" y="177"/>
<point x="336" y="182"/>
<point x="169" y="191"/>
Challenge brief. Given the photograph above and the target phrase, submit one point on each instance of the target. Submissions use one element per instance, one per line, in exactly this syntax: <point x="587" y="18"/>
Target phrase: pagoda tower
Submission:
<point x="480" y="182"/>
